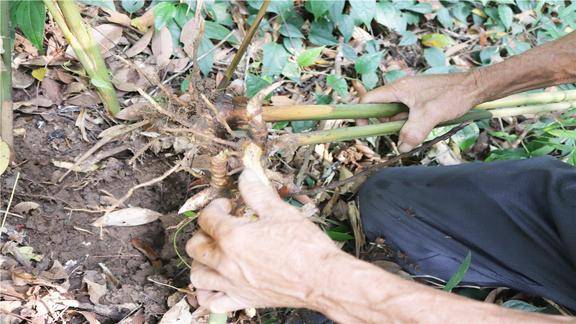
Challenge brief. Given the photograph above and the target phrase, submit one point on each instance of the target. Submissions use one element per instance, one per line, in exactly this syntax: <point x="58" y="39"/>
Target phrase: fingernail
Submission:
<point x="404" y="147"/>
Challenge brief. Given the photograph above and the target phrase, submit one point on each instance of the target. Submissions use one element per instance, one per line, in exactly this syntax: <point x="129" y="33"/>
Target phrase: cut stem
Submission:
<point x="349" y="133"/>
<point x="358" y="111"/>
<point x="66" y="14"/>
<point x="245" y="43"/>
<point x="6" y="75"/>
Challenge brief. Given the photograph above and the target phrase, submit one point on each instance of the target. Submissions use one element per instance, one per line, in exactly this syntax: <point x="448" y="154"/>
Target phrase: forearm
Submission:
<point x="358" y="292"/>
<point x="546" y="65"/>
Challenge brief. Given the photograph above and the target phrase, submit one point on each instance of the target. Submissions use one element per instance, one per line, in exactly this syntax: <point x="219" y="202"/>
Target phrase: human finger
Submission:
<point x="222" y="303"/>
<point x="216" y="219"/>
<point x="382" y="94"/>
<point x="202" y="277"/>
<point x="415" y="130"/>
<point x="204" y="249"/>
<point x="262" y="198"/>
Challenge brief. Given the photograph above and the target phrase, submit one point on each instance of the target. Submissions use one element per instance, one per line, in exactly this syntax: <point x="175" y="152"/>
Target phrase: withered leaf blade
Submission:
<point x="140" y="45"/>
<point x="162" y="47"/>
<point x="132" y="216"/>
<point x="179" y="313"/>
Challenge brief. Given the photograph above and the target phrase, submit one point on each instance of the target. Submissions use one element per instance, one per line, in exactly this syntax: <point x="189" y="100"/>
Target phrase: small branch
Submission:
<point x="371" y="170"/>
<point x="245" y="43"/>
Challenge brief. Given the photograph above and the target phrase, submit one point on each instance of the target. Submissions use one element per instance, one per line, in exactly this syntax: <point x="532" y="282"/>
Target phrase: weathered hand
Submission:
<point x="432" y="99"/>
<point x="270" y="262"/>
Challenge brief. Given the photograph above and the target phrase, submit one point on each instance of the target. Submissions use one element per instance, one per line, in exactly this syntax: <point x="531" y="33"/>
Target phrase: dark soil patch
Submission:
<point x="59" y="228"/>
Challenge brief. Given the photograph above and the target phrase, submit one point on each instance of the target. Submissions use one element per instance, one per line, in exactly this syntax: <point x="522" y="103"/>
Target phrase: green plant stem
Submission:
<point x="357" y="111"/>
<point x="6" y="76"/>
<point x="217" y="318"/>
<point x="244" y="45"/>
<point x="66" y="14"/>
<point x="344" y="134"/>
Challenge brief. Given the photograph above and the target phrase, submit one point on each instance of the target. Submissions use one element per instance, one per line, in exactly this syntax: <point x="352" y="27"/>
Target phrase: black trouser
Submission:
<point x="517" y="218"/>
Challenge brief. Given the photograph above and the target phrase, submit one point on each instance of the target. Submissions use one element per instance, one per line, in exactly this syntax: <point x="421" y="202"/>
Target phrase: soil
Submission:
<point x="60" y="230"/>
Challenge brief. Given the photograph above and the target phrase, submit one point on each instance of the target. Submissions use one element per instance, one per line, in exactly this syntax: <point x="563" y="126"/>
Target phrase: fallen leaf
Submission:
<point x="144" y="22"/>
<point x="95" y="289"/>
<point x="4" y="156"/>
<point x="74" y="167"/>
<point x="39" y="73"/>
<point x="133" y="112"/>
<point x="21" y="80"/>
<point x="39" y="101"/>
<point x="188" y="36"/>
<point x="51" y="89"/>
<point x="25" y="207"/>
<point x="147" y="250"/>
<point x="131" y="216"/>
<point x="140" y="45"/>
<point x="129" y="79"/>
<point x="28" y="253"/>
<point x="90" y="317"/>
<point x="105" y="35"/>
<point x="117" y="17"/>
<point x="179" y="313"/>
<point x="84" y="99"/>
<point x="162" y="47"/>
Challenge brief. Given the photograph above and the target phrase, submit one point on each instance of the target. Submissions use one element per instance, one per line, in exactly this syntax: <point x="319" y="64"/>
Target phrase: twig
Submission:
<point x="217" y="115"/>
<point x="9" y="202"/>
<point x="200" y="134"/>
<point x="371" y="170"/>
<point x="245" y="43"/>
<point x="142" y="185"/>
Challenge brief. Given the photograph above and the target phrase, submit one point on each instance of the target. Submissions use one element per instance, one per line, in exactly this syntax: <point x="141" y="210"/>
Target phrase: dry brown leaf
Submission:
<point x="117" y="17"/>
<point x="128" y="79"/>
<point x="179" y="313"/>
<point x="133" y="112"/>
<point x="25" y="207"/>
<point x="21" y="80"/>
<point x="90" y="317"/>
<point x="51" y="89"/>
<point x="144" y="22"/>
<point x="177" y="65"/>
<point x="162" y="47"/>
<point x="39" y="101"/>
<point x="73" y="167"/>
<point x="281" y="101"/>
<point x="141" y="44"/>
<point x="131" y="216"/>
<point x="95" y="290"/>
<point x="188" y="36"/>
<point x="105" y="35"/>
<point x="147" y="250"/>
<point x="84" y="99"/>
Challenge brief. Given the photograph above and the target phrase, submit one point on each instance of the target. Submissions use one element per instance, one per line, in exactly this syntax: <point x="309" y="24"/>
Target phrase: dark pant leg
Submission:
<point x="517" y="218"/>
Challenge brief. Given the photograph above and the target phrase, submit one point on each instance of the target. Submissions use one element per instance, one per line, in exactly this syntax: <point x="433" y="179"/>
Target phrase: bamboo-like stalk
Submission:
<point x="66" y="14"/>
<point x="6" y="75"/>
<point x="349" y="133"/>
<point x="357" y="111"/>
<point x="244" y="45"/>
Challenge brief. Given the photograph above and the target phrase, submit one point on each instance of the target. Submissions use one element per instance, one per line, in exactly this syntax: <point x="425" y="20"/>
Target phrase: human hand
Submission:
<point x="431" y="99"/>
<point x="271" y="262"/>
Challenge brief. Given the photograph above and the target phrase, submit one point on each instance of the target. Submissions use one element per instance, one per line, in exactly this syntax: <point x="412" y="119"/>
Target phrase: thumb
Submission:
<point x="415" y="131"/>
<point x="380" y="95"/>
<point x="262" y="198"/>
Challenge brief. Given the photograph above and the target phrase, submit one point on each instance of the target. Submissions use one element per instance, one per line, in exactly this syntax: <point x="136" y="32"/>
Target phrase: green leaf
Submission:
<point x="290" y="31"/>
<point x="184" y="13"/>
<point x="292" y="71"/>
<point x="435" y="57"/>
<point x="394" y="75"/>
<point x="421" y="8"/>
<point x="368" y="63"/>
<point x="466" y="137"/>
<point x="221" y="14"/>
<point x="309" y="56"/>
<point x="205" y="64"/>
<point x="506" y="16"/>
<point x="274" y="59"/>
<point x="571" y="158"/>
<point x="337" y="83"/>
<point x="216" y="31"/>
<point x="189" y="214"/>
<point x="506" y="154"/>
<point x="349" y="52"/>
<point x="339" y="236"/>
<point x="254" y="84"/>
<point x="302" y="125"/>
<point x="459" y="275"/>
<point x="345" y="24"/>
<point x="107" y="4"/>
<point x="391" y="17"/>
<point x="370" y="80"/>
<point x="163" y="13"/>
<point x="437" y="40"/>
<point x="321" y="33"/>
<point x="443" y="16"/>
<point x="280" y="125"/>
<point x="293" y="45"/>
<point x="408" y="38"/>
<point x="30" y="16"/>
<point x="366" y="10"/>
<point x="562" y="133"/>
<point x="318" y="8"/>
<point x="322" y="99"/>
<point x="522" y="306"/>
<point x="131" y="6"/>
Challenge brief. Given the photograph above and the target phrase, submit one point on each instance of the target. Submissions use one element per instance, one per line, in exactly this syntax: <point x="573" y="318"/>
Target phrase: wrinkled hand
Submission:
<point x="432" y="99"/>
<point x="271" y="262"/>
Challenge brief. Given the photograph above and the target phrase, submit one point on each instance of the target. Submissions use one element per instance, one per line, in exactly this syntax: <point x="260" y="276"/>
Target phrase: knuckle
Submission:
<point x="412" y="136"/>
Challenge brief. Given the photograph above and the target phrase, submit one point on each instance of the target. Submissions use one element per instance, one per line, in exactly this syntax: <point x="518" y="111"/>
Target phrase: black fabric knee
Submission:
<point x="518" y="219"/>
